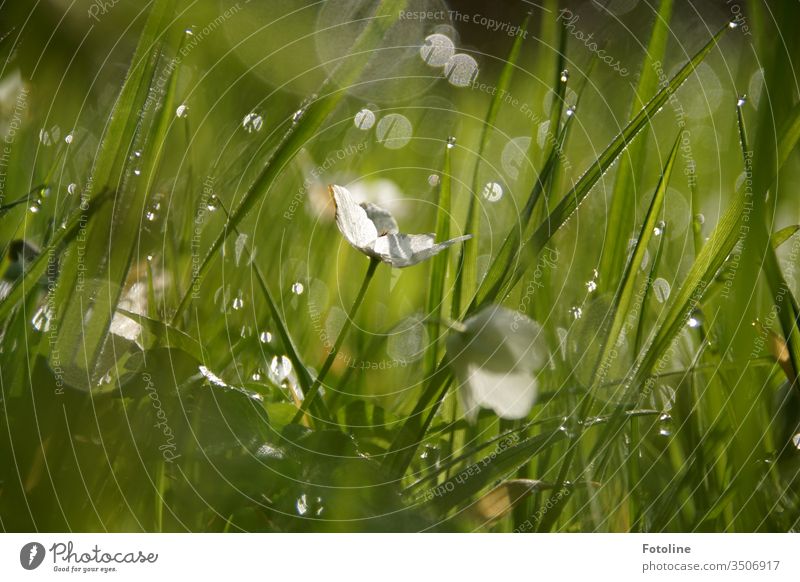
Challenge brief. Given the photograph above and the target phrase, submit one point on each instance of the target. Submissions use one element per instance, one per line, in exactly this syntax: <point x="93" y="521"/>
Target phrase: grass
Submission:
<point x="193" y="346"/>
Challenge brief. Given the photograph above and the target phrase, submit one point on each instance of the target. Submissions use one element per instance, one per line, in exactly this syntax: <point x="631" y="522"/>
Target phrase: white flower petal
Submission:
<point x="510" y="394"/>
<point x="405" y="250"/>
<point x="352" y="219"/>
<point x="496" y="358"/>
<point x="505" y="335"/>
<point x="381" y="218"/>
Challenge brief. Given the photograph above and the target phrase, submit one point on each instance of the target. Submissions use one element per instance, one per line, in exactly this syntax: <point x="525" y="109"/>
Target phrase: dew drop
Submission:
<point x="309" y="505"/>
<point x="182" y="110"/>
<point x="493" y="191"/>
<point x="72" y="188"/>
<point x="238" y="302"/>
<point x="188" y="32"/>
<point x="256" y="377"/>
<point x="591" y="286"/>
<point x="564" y="76"/>
<point x="796" y="440"/>
<point x="700" y="218"/>
<point x="297" y="288"/>
<point x="451" y="142"/>
<point x="437" y="50"/>
<point x="733" y="24"/>
<point x="576" y="312"/>
<point x="570" y="111"/>
<point x="740" y="102"/>
<point x="68" y="139"/>
<point x="150" y="216"/>
<point x="137" y="172"/>
<point x="661" y="289"/>
<point x="137" y="154"/>
<point x="298" y="115"/>
<point x="364" y="119"/>
<point x="461" y="70"/>
<point x="433" y="179"/>
<point x="658" y="229"/>
<point x="394" y="131"/>
<point x="213" y="203"/>
<point x="265" y="337"/>
<point x="252" y="122"/>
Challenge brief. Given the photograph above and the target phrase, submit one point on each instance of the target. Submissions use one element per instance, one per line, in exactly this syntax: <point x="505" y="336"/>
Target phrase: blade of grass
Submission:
<point x="569" y="204"/>
<point x="304" y="128"/>
<point x="629" y="175"/>
<point x="618" y="316"/>
<point x="94" y="272"/>
<point x="466" y="273"/>
<point x="439" y="266"/>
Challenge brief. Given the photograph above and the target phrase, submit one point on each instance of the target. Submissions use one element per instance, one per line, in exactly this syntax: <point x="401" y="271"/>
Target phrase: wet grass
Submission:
<point x="188" y="343"/>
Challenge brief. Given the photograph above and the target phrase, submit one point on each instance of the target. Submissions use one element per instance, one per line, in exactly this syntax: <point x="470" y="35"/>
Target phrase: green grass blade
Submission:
<point x="629" y="175"/>
<point x="439" y="266"/>
<point x="466" y="274"/>
<point x="305" y="127"/>
<point x="501" y="267"/>
<point x="624" y="297"/>
<point x="95" y="269"/>
<point x="569" y="204"/>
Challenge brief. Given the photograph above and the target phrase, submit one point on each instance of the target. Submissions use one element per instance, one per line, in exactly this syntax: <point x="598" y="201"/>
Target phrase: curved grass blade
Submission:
<point x="569" y="204"/>
<point x="620" y="314"/>
<point x="304" y="129"/>
<point x="39" y="267"/>
<point x="783" y="235"/>
<point x="95" y="270"/>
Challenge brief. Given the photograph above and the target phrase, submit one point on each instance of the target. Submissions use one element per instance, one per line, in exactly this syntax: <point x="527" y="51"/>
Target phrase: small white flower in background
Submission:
<point x="373" y="230"/>
<point x="495" y="356"/>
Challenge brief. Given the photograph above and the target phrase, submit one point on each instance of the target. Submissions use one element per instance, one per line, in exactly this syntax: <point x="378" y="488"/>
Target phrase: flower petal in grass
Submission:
<point x="495" y="355"/>
<point x="373" y="231"/>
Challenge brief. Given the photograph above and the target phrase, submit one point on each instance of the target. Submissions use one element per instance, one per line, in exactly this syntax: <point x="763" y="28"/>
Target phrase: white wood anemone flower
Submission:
<point x="495" y="356"/>
<point x="373" y="231"/>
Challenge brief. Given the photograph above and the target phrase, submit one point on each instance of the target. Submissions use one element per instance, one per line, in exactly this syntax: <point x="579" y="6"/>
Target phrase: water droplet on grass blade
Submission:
<point x="451" y="142"/>
<point x="576" y="312"/>
<point x="265" y="337"/>
<point x="238" y="302"/>
<point x="364" y="119"/>
<point x="213" y="203"/>
<point x="182" y="110"/>
<point x="252" y="122"/>
<point x="241" y="241"/>
<point x="564" y="76"/>
<point x="72" y="188"/>
<point x="433" y="180"/>
<point x="740" y="102"/>
<point x="309" y="506"/>
<point x="297" y="288"/>
<point x="661" y="289"/>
